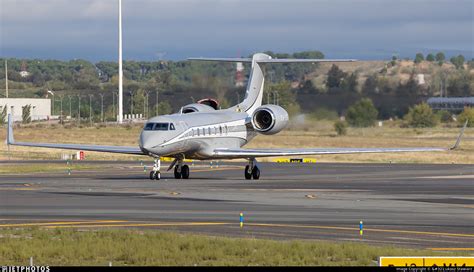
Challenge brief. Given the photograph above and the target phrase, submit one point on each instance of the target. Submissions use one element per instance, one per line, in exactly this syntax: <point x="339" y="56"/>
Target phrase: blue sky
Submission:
<point x="375" y="29"/>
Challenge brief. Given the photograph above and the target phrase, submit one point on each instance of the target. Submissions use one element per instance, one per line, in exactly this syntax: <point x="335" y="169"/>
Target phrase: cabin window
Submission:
<point x="225" y="127"/>
<point x="220" y="130"/>
<point x="171" y="126"/>
<point x="198" y="132"/>
<point x="203" y="131"/>
<point x="209" y="130"/>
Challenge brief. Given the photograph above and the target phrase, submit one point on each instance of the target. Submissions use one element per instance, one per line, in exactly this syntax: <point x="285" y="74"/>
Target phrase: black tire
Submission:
<point x="256" y="173"/>
<point x="157" y="175"/>
<point x="247" y="174"/>
<point x="185" y="172"/>
<point x="152" y="175"/>
<point x="177" y="175"/>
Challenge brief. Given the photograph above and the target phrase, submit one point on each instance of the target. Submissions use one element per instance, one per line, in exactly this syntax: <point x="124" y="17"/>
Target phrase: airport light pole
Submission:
<point x="90" y="109"/>
<point x="101" y="107"/>
<point x="276" y="97"/>
<point x="113" y="104"/>
<point x="131" y="104"/>
<point x="157" y="113"/>
<point x="120" y="117"/>
<point x="51" y="92"/>
<point x="145" y="104"/>
<point x="6" y="78"/>
<point x="61" y="108"/>
<point x="79" y="109"/>
<point x="70" y="108"/>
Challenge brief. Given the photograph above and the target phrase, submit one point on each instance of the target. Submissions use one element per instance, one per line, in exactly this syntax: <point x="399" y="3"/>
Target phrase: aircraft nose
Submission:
<point x="146" y="141"/>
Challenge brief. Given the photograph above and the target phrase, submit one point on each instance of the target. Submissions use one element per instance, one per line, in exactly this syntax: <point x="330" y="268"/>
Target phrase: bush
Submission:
<point x="340" y="127"/>
<point x="467" y="114"/>
<point x="421" y="115"/>
<point x="444" y="116"/>
<point x="362" y="114"/>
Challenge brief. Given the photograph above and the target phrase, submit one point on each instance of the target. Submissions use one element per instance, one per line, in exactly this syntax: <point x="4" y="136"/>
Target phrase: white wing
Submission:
<point x="99" y="148"/>
<point x="234" y="153"/>
<point x="254" y="153"/>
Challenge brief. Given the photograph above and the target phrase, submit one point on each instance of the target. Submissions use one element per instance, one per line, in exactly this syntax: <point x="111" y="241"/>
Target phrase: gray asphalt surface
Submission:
<point x="408" y="205"/>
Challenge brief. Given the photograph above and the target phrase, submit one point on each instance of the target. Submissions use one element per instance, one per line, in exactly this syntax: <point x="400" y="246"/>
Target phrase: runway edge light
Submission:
<point x="241" y="220"/>
<point x="361" y="228"/>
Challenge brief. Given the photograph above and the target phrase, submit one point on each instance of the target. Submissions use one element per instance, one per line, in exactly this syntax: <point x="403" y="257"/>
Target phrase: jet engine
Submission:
<point x="269" y="119"/>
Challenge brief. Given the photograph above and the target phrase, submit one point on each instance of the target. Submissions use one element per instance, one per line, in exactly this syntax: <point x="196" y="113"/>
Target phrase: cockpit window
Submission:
<point x="161" y="126"/>
<point x="149" y="126"/>
<point x="171" y="126"/>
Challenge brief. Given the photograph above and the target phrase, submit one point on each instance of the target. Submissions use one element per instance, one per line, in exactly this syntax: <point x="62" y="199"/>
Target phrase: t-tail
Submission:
<point x="254" y="92"/>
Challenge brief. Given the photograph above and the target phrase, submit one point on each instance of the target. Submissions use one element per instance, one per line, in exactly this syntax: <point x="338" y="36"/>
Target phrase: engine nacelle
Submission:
<point x="269" y="119"/>
<point x="196" y="107"/>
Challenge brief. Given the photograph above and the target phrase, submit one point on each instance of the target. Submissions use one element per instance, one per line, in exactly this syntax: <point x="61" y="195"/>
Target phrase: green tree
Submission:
<point x="340" y="127"/>
<point x="362" y="114"/>
<point x="421" y="115"/>
<point x="440" y="58"/>
<point x="26" y="114"/>
<point x="467" y="114"/>
<point x="335" y="76"/>
<point x="430" y="57"/>
<point x="349" y="83"/>
<point x="419" y="57"/>
<point x="3" y="115"/>
<point x="285" y="95"/>
<point x="458" y="61"/>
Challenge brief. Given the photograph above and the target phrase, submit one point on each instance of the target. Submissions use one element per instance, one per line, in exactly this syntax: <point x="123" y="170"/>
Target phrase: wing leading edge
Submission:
<point x="98" y="148"/>
<point x="255" y="153"/>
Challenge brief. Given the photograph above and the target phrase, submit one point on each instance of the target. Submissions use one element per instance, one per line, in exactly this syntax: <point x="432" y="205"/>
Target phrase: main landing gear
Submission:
<point x="155" y="173"/>
<point x="251" y="170"/>
<point x="181" y="170"/>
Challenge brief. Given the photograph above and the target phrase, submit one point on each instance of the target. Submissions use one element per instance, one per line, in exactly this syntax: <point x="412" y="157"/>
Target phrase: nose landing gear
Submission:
<point x="252" y="170"/>
<point x="155" y="173"/>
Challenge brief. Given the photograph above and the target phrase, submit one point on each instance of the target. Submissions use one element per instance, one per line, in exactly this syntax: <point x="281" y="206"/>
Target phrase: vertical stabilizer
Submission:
<point x="254" y="92"/>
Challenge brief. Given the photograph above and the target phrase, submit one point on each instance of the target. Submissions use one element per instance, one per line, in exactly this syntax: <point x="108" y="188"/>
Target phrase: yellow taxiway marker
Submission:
<point x="59" y="223"/>
<point x="409" y="261"/>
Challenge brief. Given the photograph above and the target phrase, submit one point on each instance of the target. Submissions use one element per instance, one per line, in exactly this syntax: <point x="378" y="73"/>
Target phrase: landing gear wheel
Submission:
<point x="157" y="175"/>
<point x="255" y="173"/>
<point x="185" y="172"/>
<point x="152" y="175"/>
<point x="177" y="175"/>
<point x="248" y="174"/>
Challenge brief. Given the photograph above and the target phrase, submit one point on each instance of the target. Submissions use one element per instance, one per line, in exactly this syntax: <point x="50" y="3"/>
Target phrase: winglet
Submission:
<point x="10" y="139"/>
<point x="456" y="145"/>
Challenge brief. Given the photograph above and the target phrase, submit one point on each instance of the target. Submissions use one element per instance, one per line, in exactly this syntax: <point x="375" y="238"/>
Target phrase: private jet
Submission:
<point x="202" y="131"/>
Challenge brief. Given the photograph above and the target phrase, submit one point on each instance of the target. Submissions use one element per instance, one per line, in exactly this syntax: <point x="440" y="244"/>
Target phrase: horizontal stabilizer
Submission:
<point x="272" y="60"/>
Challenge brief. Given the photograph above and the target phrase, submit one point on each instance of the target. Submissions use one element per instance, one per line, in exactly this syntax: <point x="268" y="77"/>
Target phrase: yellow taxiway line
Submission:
<point x="147" y="225"/>
<point x="59" y="223"/>
<point x="365" y="229"/>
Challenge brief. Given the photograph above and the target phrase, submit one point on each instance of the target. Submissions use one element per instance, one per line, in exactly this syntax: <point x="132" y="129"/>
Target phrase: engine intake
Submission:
<point x="269" y="119"/>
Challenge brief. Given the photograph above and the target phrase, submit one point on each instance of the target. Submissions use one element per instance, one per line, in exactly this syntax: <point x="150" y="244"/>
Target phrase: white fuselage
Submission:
<point x="196" y="135"/>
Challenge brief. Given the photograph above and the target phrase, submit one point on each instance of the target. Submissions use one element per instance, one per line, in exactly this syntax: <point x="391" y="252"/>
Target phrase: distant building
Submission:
<point x="40" y="107"/>
<point x="453" y="104"/>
